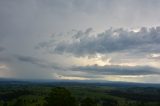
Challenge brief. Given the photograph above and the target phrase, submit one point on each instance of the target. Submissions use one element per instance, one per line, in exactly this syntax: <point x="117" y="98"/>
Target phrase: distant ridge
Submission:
<point x="76" y="82"/>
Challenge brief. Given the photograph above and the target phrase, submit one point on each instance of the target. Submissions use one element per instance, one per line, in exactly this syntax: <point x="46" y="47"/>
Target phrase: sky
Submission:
<point x="84" y="40"/>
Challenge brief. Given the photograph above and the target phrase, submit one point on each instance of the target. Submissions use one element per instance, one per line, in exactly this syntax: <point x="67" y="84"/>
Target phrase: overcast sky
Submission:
<point x="94" y="40"/>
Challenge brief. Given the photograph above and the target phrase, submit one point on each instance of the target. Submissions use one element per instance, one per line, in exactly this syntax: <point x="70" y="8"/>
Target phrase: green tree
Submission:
<point x="109" y="102"/>
<point x="140" y="103"/>
<point x="1" y="103"/>
<point x="88" y="102"/>
<point x="19" y="102"/>
<point x="60" y="96"/>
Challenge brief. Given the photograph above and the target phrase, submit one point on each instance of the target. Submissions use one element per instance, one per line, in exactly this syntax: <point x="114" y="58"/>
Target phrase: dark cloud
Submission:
<point x="117" y="70"/>
<point x="37" y="61"/>
<point x="118" y="40"/>
<point x="90" y="76"/>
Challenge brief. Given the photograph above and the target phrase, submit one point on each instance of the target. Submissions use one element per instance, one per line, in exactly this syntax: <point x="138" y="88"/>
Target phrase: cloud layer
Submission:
<point x="52" y="38"/>
<point x="112" y="40"/>
<point x="117" y="70"/>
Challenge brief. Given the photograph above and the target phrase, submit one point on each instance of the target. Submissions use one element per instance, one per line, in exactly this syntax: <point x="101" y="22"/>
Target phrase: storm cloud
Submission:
<point x="112" y="40"/>
<point x="117" y="70"/>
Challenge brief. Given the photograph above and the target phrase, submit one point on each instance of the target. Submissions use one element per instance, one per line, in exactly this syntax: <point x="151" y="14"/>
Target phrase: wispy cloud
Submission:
<point x="39" y="62"/>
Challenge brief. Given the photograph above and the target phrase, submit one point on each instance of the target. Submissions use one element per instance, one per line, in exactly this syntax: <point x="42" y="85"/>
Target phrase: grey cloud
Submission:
<point x="25" y="23"/>
<point x="4" y="59"/>
<point x="118" y="70"/>
<point x="27" y="59"/>
<point x="1" y="49"/>
<point x="92" y="76"/>
<point x="112" y="40"/>
<point x="38" y="62"/>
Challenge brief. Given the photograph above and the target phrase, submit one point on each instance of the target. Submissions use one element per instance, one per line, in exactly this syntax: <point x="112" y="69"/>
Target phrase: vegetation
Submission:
<point x="77" y="94"/>
<point x="60" y="97"/>
<point x="88" y="102"/>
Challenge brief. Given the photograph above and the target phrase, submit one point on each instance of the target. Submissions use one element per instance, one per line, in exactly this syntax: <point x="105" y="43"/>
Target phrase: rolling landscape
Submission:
<point x="36" y="93"/>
